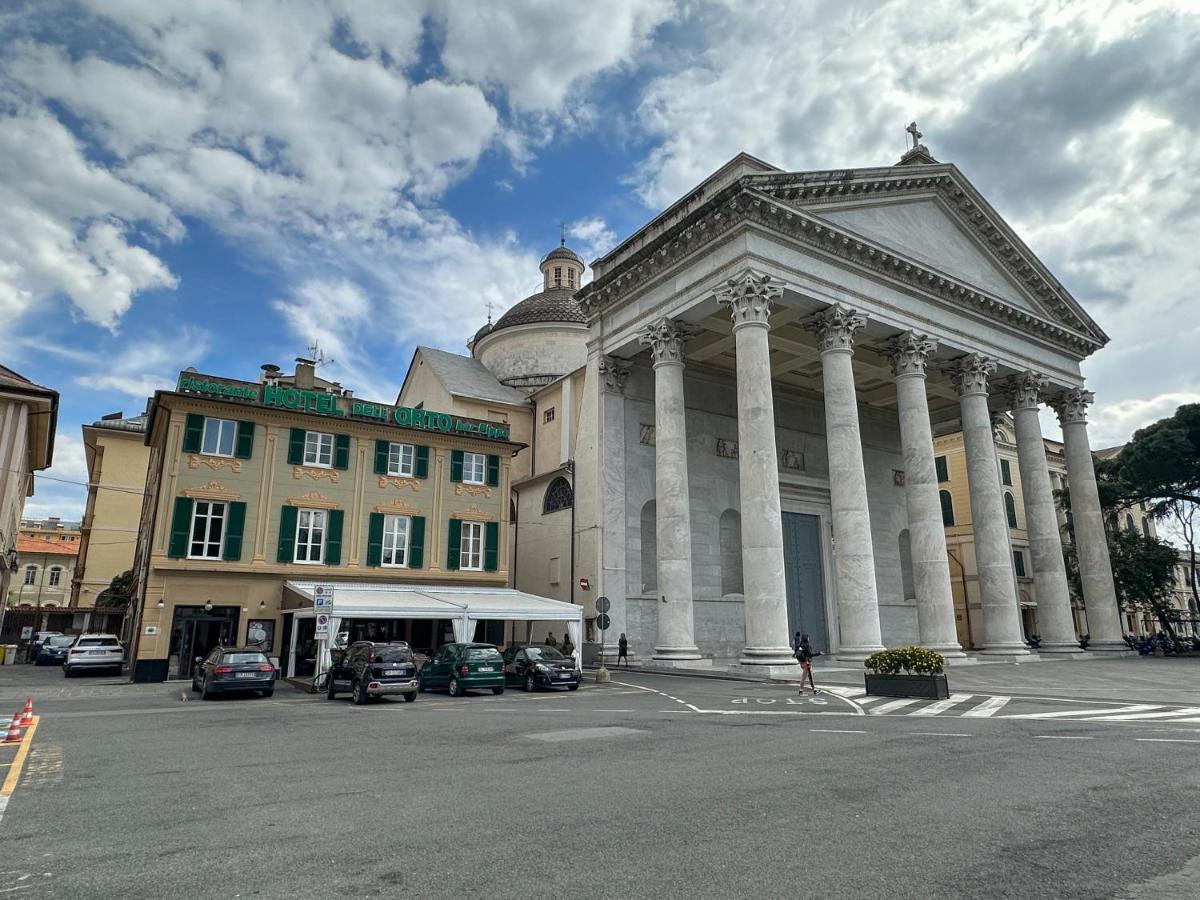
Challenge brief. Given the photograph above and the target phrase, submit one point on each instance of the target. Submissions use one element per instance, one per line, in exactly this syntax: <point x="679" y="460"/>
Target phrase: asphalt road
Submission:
<point x="653" y="786"/>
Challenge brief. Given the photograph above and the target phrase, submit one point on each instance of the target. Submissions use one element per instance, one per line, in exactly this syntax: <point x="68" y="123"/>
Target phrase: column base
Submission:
<point x="1063" y="650"/>
<point x="855" y="654"/>
<point x="1111" y="648"/>
<point x="788" y="672"/>
<point x="700" y="662"/>
<point x="676" y="654"/>
<point x="950" y="651"/>
<point x="1013" y="649"/>
<point x="767" y="656"/>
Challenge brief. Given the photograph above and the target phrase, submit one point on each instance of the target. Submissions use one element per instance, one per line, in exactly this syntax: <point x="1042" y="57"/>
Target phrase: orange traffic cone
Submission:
<point x="27" y="713"/>
<point x="14" y="730"/>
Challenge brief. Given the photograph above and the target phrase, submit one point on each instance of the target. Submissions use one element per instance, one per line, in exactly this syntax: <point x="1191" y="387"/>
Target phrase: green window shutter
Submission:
<point x="333" y="538"/>
<point x="493" y="471"/>
<point x="245" y="440"/>
<point x="456" y="466"/>
<point x="235" y="524"/>
<point x="416" y="542"/>
<point x="181" y="528"/>
<point x="453" y="543"/>
<point x="381" y="458"/>
<point x="421" y="462"/>
<point x="375" y="539"/>
<point x="193" y="433"/>
<point x="296" y="448"/>
<point x="341" y="451"/>
<point x="287" y="533"/>
<point x="491" y="545"/>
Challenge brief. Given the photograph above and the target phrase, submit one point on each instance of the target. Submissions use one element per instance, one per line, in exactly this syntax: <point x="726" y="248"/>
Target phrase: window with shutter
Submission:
<point x="491" y="546"/>
<point x="416" y="542"/>
<point x="421" y="465"/>
<point x="287" y="534"/>
<point x="234" y="528"/>
<point x="193" y="431"/>
<point x="181" y="527"/>
<point x="296" y="440"/>
<point x="245" y="440"/>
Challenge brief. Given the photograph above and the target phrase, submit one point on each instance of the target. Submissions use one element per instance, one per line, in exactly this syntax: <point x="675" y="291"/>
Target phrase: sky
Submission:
<point x="221" y="184"/>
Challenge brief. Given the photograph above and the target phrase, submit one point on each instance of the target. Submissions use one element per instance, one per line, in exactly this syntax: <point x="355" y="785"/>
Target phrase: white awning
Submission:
<point x="356" y="600"/>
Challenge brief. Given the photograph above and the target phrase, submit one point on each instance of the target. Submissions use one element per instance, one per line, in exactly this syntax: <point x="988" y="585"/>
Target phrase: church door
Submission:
<point x="805" y="584"/>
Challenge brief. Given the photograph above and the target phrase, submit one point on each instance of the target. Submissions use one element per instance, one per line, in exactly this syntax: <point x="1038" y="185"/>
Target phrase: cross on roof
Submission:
<point x="915" y="134"/>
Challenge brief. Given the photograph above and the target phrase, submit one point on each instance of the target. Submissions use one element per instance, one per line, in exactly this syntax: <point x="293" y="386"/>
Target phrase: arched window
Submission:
<point x="947" y="508"/>
<point x="30" y="574"/>
<point x="730" y="528"/>
<point x="55" y="576"/>
<point x="512" y="512"/>
<point x="649" y="544"/>
<point x="1145" y="527"/>
<point x="1129" y="526"/>
<point x="1010" y="509"/>
<point x="906" y="568"/>
<point x="558" y="496"/>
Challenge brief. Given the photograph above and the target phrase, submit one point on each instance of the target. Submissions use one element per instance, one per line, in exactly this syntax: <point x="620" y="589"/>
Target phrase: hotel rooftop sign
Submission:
<point x="323" y="403"/>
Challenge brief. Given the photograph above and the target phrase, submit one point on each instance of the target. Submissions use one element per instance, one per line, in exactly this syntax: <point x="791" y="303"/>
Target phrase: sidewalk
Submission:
<point x="1139" y="679"/>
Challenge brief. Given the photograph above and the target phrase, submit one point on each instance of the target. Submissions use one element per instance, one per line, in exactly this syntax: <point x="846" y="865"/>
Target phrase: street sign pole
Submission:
<point x="603" y="604"/>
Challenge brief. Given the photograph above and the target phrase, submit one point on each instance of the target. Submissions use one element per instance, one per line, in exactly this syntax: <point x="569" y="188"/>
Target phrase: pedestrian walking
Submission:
<point x="623" y="650"/>
<point x="550" y="642"/>
<point x="804" y="655"/>
<point x="567" y="647"/>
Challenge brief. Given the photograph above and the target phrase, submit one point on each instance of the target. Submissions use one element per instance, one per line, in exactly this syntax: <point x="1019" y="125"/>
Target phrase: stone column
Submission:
<point x="750" y="299"/>
<point x="854" y="555"/>
<point x="610" y="437"/>
<point x="1056" y="624"/>
<point x="908" y="354"/>
<point x="1091" y="542"/>
<point x="993" y="552"/>
<point x="676" y="641"/>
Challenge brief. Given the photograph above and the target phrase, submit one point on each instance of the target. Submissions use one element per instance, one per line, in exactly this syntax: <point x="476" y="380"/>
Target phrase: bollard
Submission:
<point x="602" y="676"/>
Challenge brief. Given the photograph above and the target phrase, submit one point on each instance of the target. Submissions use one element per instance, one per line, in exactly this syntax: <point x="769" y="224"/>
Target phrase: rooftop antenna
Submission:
<point x="317" y="355"/>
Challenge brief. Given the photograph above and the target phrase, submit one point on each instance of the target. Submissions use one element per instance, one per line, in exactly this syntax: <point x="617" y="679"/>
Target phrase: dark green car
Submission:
<point x="463" y="667"/>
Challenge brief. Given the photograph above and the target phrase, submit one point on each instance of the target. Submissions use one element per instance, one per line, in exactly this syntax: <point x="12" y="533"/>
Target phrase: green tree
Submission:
<point x="1144" y="575"/>
<point x="119" y="590"/>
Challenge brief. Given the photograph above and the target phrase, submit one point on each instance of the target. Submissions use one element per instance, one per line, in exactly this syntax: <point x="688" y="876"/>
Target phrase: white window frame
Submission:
<point x="402" y="459"/>
<point x="213" y="510"/>
<point x="310" y="521"/>
<point x="55" y="576"/>
<point x="221" y="427"/>
<point x="397" y="533"/>
<point x="316" y="445"/>
<point x="470" y="547"/>
<point x="30" y="575"/>
<point x="471" y="462"/>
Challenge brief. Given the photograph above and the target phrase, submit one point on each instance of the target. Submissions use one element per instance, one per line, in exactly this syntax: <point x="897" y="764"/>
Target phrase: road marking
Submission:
<point x="888" y="707"/>
<point x="937" y="734"/>
<point x="1154" y="715"/>
<point x="10" y="783"/>
<point x="1168" y="740"/>
<point x="987" y="708"/>
<point x="1065" y="713"/>
<point x="836" y="731"/>
<point x="934" y="709"/>
<point x="612" y="710"/>
<point x="1063" y="737"/>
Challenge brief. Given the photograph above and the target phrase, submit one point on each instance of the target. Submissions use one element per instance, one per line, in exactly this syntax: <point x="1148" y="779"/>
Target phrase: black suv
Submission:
<point x="371" y="669"/>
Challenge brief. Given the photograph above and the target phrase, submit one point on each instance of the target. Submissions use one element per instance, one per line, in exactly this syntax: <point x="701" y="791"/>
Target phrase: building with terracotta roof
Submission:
<point x="45" y="567"/>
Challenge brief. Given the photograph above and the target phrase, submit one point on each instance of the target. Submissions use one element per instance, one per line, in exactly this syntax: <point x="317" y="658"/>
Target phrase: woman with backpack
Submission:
<point x="804" y="656"/>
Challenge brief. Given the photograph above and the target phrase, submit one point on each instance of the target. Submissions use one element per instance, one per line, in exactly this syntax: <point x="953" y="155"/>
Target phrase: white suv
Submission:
<point x="94" y="651"/>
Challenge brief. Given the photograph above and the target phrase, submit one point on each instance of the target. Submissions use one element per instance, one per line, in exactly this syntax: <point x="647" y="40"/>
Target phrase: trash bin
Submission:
<point x="10" y="654"/>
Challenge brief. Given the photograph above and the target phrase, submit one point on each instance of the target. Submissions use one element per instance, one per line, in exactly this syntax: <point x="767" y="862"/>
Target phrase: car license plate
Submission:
<point x="97" y="652"/>
<point x="393" y="672"/>
<point x="247" y="674"/>
<point x="485" y="669"/>
<point x="564" y="674"/>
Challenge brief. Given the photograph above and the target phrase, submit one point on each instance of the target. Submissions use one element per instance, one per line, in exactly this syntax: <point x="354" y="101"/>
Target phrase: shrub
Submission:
<point x="913" y="660"/>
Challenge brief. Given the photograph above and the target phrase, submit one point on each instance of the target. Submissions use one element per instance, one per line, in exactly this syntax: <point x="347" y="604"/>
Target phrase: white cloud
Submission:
<point x="62" y="489"/>
<point x="593" y="236"/>
<point x="147" y="363"/>
<point x="1111" y="424"/>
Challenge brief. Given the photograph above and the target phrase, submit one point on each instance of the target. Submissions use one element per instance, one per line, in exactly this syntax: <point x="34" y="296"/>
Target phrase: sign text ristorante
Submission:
<point x="278" y="396"/>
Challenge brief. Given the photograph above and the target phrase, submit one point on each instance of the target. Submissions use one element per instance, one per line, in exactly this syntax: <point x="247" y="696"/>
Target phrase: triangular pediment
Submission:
<point x="922" y="230"/>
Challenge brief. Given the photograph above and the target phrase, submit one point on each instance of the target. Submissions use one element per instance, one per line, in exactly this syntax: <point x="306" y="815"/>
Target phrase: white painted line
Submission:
<point x="936" y="709"/>
<point x="613" y="710"/>
<point x="1154" y="715"/>
<point x="1062" y="737"/>
<point x="987" y="708"/>
<point x="937" y="734"/>
<point x="836" y="731"/>
<point x="862" y="701"/>
<point x="894" y="704"/>
<point x="1065" y="713"/>
<point x="3" y="805"/>
<point x="1194" y="719"/>
<point x="1168" y="740"/>
<point x="844" y="691"/>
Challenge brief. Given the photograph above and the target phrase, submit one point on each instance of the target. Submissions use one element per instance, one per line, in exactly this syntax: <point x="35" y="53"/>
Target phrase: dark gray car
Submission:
<point x="233" y="670"/>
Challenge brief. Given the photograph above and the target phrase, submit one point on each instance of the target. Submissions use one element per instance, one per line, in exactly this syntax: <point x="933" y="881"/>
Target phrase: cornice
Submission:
<point x="766" y="200"/>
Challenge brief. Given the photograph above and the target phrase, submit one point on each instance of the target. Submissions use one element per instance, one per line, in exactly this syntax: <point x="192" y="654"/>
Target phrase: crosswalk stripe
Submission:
<point x="1064" y="713"/>
<point x="1151" y="715"/>
<point x="987" y="708"/>
<point x="863" y="701"/>
<point x="847" y="692"/>
<point x="1189" y="720"/>
<point x="941" y="706"/>
<point x="893" y="705"/>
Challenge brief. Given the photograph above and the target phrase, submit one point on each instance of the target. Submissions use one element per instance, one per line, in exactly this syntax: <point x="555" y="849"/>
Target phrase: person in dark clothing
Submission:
<point x="804" y="655"/>
<point x="622" y="649"/>
<point x="567" y="647"/>
<point x="550" y="641"/>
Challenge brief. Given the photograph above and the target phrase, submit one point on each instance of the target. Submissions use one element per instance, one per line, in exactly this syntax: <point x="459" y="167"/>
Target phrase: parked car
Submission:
<point x="463" y="667"/>
<point x="537" y="666"/>
<point x="370" y="669"/>
<point x="229" y="670"/>
<point x="90" y="652"/>
<point x="54" y="650"/>
<point x="39" y="639"/>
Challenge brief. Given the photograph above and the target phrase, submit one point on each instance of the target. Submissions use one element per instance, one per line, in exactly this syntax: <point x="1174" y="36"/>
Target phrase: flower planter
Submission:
<point x="924" y="687"/>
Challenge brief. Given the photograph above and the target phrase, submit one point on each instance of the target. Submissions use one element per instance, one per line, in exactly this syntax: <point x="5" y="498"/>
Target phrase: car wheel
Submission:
<point x="452" y="687"/>
<point x="269" y="692"/>
<point x="409" y="698"/>
<point x="205" y="693"/>
<point x="498" y="690"/>
<point x="572" y="687"/>
<point x="421" y="685"/>
<point x="66" y="671"/>
<point x="530" y="683"/>
<point x="360" y="693"/>
<point x="195" y="687"/>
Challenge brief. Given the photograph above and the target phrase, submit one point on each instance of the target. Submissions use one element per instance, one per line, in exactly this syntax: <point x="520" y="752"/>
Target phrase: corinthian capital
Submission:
<point x="909" y="352"/>
<point x="1072" y="405"/>
<point x="666" y="338"/>
<point x="1026" y="389"/>
<point x="615" y="373"/>
<point x="835" y="326"/>
<point x="970" y="373"/>
<point x="750" y="297"/>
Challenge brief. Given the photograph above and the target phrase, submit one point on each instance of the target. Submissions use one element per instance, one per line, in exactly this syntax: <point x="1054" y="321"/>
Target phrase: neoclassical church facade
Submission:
<point x="729" y="429"/>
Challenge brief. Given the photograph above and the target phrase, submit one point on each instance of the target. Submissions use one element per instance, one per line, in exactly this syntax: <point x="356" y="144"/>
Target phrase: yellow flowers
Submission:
<point x="913" y="660"/>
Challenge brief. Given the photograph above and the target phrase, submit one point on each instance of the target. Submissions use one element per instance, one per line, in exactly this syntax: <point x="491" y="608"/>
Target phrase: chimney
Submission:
<point x="305" y="373"/>
<point x="270" y="374"/>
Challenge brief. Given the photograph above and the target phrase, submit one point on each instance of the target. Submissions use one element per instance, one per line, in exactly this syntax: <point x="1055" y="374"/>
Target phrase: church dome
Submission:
<point x="563" y="252"/>
<point x="554" y="305"/>
<point x="484" y="331"/>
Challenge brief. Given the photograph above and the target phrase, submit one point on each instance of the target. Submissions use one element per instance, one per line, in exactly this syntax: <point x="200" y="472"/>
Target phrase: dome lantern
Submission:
<point x="562" y="268"/>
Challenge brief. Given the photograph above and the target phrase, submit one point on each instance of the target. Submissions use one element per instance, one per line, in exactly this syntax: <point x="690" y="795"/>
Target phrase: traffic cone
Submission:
<point x="14" y="730"/>
<point x="27" y="713"/>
